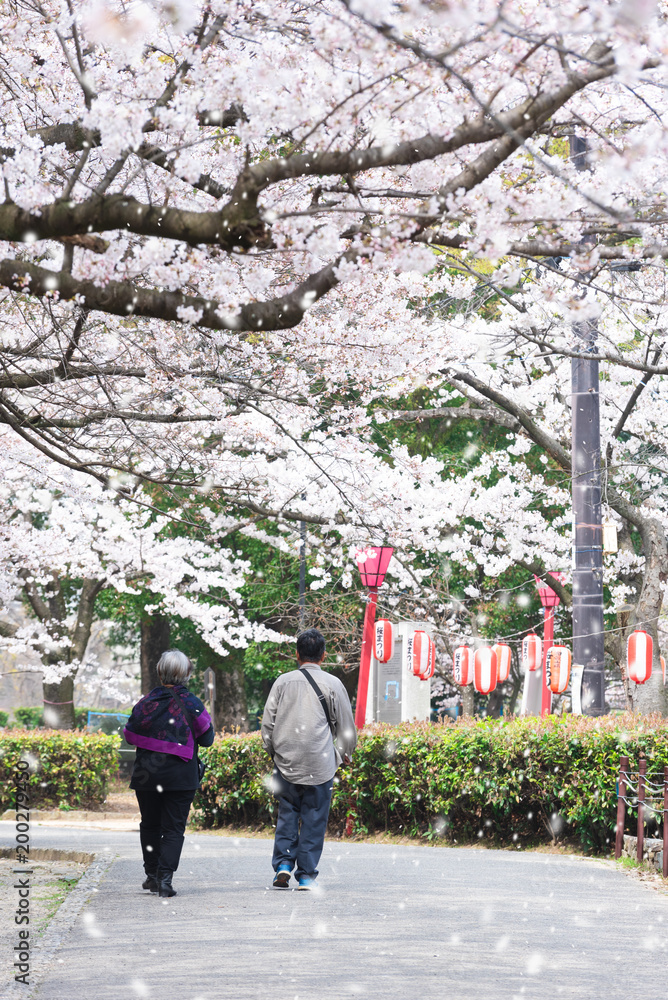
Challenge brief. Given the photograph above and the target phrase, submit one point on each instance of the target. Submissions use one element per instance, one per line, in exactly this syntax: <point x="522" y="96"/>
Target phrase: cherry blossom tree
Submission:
<point x="226" y="235"/>
<point x="65" y="540"/>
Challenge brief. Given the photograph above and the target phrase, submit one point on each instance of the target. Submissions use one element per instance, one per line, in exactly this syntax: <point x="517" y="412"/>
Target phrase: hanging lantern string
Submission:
<point x="510" y="637"/>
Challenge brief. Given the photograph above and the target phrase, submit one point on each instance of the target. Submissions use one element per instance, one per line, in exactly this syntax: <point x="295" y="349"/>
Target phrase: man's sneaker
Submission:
<point x="306" y="883"/>
<point x="282" y="877"/>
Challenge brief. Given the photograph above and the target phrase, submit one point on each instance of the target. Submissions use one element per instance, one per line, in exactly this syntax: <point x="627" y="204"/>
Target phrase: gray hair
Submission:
<point x="174" y="667"/>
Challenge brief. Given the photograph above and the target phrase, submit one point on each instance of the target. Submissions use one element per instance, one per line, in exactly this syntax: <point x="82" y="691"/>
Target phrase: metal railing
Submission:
<point x="647" y="790"/>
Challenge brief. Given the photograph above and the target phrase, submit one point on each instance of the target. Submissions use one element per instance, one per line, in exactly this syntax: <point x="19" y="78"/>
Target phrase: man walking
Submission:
<point x="309" y="730"/>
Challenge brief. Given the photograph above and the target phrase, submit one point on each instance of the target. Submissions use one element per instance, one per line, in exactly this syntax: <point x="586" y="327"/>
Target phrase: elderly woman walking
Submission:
<point x="166" y="727"/>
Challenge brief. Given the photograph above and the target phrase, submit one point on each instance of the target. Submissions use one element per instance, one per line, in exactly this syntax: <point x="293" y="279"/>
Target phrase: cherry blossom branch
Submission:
<point x="131" y="416"/>
<point x="492" y="415"/>
<point x="557" y="586"/>
<point x="535" y="432"/>
<point x="62" y="373"/>
<point x="128" y="299"/>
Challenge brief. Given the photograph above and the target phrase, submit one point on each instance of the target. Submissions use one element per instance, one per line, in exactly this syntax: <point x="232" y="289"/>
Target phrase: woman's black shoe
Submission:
<point x="165" y="887"/>
<point x="150" y="883"/>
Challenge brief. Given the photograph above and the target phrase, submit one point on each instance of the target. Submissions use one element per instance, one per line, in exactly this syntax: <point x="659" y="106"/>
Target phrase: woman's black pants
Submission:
<point x="161" y="832"/>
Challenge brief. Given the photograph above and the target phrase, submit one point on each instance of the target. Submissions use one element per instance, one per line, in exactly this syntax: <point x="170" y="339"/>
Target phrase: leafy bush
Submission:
<point x="29" y="718"/>
<point x="515" y="781"/>
<point x="4" y="719"/>
<point x="33" y="718"/>
<point x="71" y="769"/>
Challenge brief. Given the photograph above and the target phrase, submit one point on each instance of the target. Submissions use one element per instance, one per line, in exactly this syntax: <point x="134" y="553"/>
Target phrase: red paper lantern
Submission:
<point x="639" y="653"/>
<point x="384" y="640"/>
<point x="548" y="598"/>
<point x="372" y="564"/>
<point x="532" y="652"/>
<point x="503" y="657"/>
<point x="418" y="653"/>
<point x="484" y="670"/>
<point x="462" y="665"/>
<point x="663" y="667"/>
<point x="558" y="668"/>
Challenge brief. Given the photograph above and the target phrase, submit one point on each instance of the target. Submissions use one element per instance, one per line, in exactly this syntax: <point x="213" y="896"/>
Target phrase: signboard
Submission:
<point x="576" y="689"/>
<point x="389" y="686"/>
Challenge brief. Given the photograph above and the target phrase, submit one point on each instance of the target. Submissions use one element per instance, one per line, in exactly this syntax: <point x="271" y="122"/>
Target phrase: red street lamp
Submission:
<point x="550" y="601"/>
<point x="372" y="564"/>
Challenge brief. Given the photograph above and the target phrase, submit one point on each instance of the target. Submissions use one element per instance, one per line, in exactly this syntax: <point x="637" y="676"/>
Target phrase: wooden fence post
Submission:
<point x="665" y="822"/>
<point x="621" y="805"/>
<point x="642" y="770"/>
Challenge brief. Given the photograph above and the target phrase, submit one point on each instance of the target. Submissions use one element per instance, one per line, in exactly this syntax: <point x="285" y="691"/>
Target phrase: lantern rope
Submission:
<point x="391" y="611"/>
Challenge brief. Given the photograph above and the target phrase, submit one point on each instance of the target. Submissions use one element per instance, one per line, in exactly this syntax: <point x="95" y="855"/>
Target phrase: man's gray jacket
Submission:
<point x="295" y="730"/>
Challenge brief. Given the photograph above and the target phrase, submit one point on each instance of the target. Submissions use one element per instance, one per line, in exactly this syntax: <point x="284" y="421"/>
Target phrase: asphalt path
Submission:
<point x="405" y="922"/>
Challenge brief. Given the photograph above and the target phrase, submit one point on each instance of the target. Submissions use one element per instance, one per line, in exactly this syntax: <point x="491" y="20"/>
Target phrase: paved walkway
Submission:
<point x="411" y="923"/>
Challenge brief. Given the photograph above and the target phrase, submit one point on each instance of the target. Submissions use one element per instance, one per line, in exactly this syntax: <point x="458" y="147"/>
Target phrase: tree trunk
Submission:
<point x="59" y="704"/>
<point x="517" y="681"/>
<point x="154" y="642"/>
<point x="495" y="703"/>
<point x="231" y="705"/>
<point x="467" y="700"/>
<point x="348" y="678"/>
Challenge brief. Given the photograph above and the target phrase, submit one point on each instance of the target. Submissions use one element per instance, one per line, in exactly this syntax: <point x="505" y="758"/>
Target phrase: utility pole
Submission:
<point x="588" y="648"/>
<point x="302" y="572"/>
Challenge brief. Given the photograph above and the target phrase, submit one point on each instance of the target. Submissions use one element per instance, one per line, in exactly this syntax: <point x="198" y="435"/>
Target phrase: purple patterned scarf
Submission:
<point x="159" y="723"/>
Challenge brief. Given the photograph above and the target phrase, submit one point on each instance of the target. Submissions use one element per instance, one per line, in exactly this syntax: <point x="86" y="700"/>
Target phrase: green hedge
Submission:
<point x="33" y="717"/>
<point x="69" y="769"/>
<point x="516" y="781"/>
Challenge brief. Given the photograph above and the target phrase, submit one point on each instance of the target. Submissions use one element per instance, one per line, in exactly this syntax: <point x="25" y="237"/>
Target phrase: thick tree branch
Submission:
<point x="127" y="299"/>
<point x="492" y="415"/>
<point x="85" y="613"/>
<point x="39" y="606"/>
<point x="164" y="159"/>
<point x="536" y="433"/>
<point x="557" y="586"/>
<point x="75" y="137"/>
<point x="633" y="399"/>
<point x="62" y="373"/>
<point x="237" y="225"/>
<point x="648" y="526"/>
<point x="276" y="514"/>
<point x="132" y="416"/>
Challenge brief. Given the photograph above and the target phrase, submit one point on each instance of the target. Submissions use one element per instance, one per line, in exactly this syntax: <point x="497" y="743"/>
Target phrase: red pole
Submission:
<point x="548" y="639"/>
<point x="621" y="806"/>
<point x="365" y="659"/>
<point x="642" y="770"/>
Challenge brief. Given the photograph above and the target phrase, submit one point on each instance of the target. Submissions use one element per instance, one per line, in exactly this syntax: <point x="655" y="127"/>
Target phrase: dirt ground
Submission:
<point x="50" y="882"/>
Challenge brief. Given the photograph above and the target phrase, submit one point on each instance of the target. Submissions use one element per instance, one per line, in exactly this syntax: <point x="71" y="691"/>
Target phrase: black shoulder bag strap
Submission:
<point x="321" y="697"/>
<point x="201" y="766"/>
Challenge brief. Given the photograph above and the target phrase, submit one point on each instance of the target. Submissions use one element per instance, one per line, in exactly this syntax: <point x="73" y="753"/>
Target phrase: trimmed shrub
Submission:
<point x="71" y="769"/>
<point x="4" y="718"/>
<point x="507" y="781"/>
<point x="29" y="718"/>
<point x="33" y="718"/>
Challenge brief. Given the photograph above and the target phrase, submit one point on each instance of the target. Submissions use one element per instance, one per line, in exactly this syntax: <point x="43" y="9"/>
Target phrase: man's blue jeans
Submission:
<point x="301" y="824"/>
